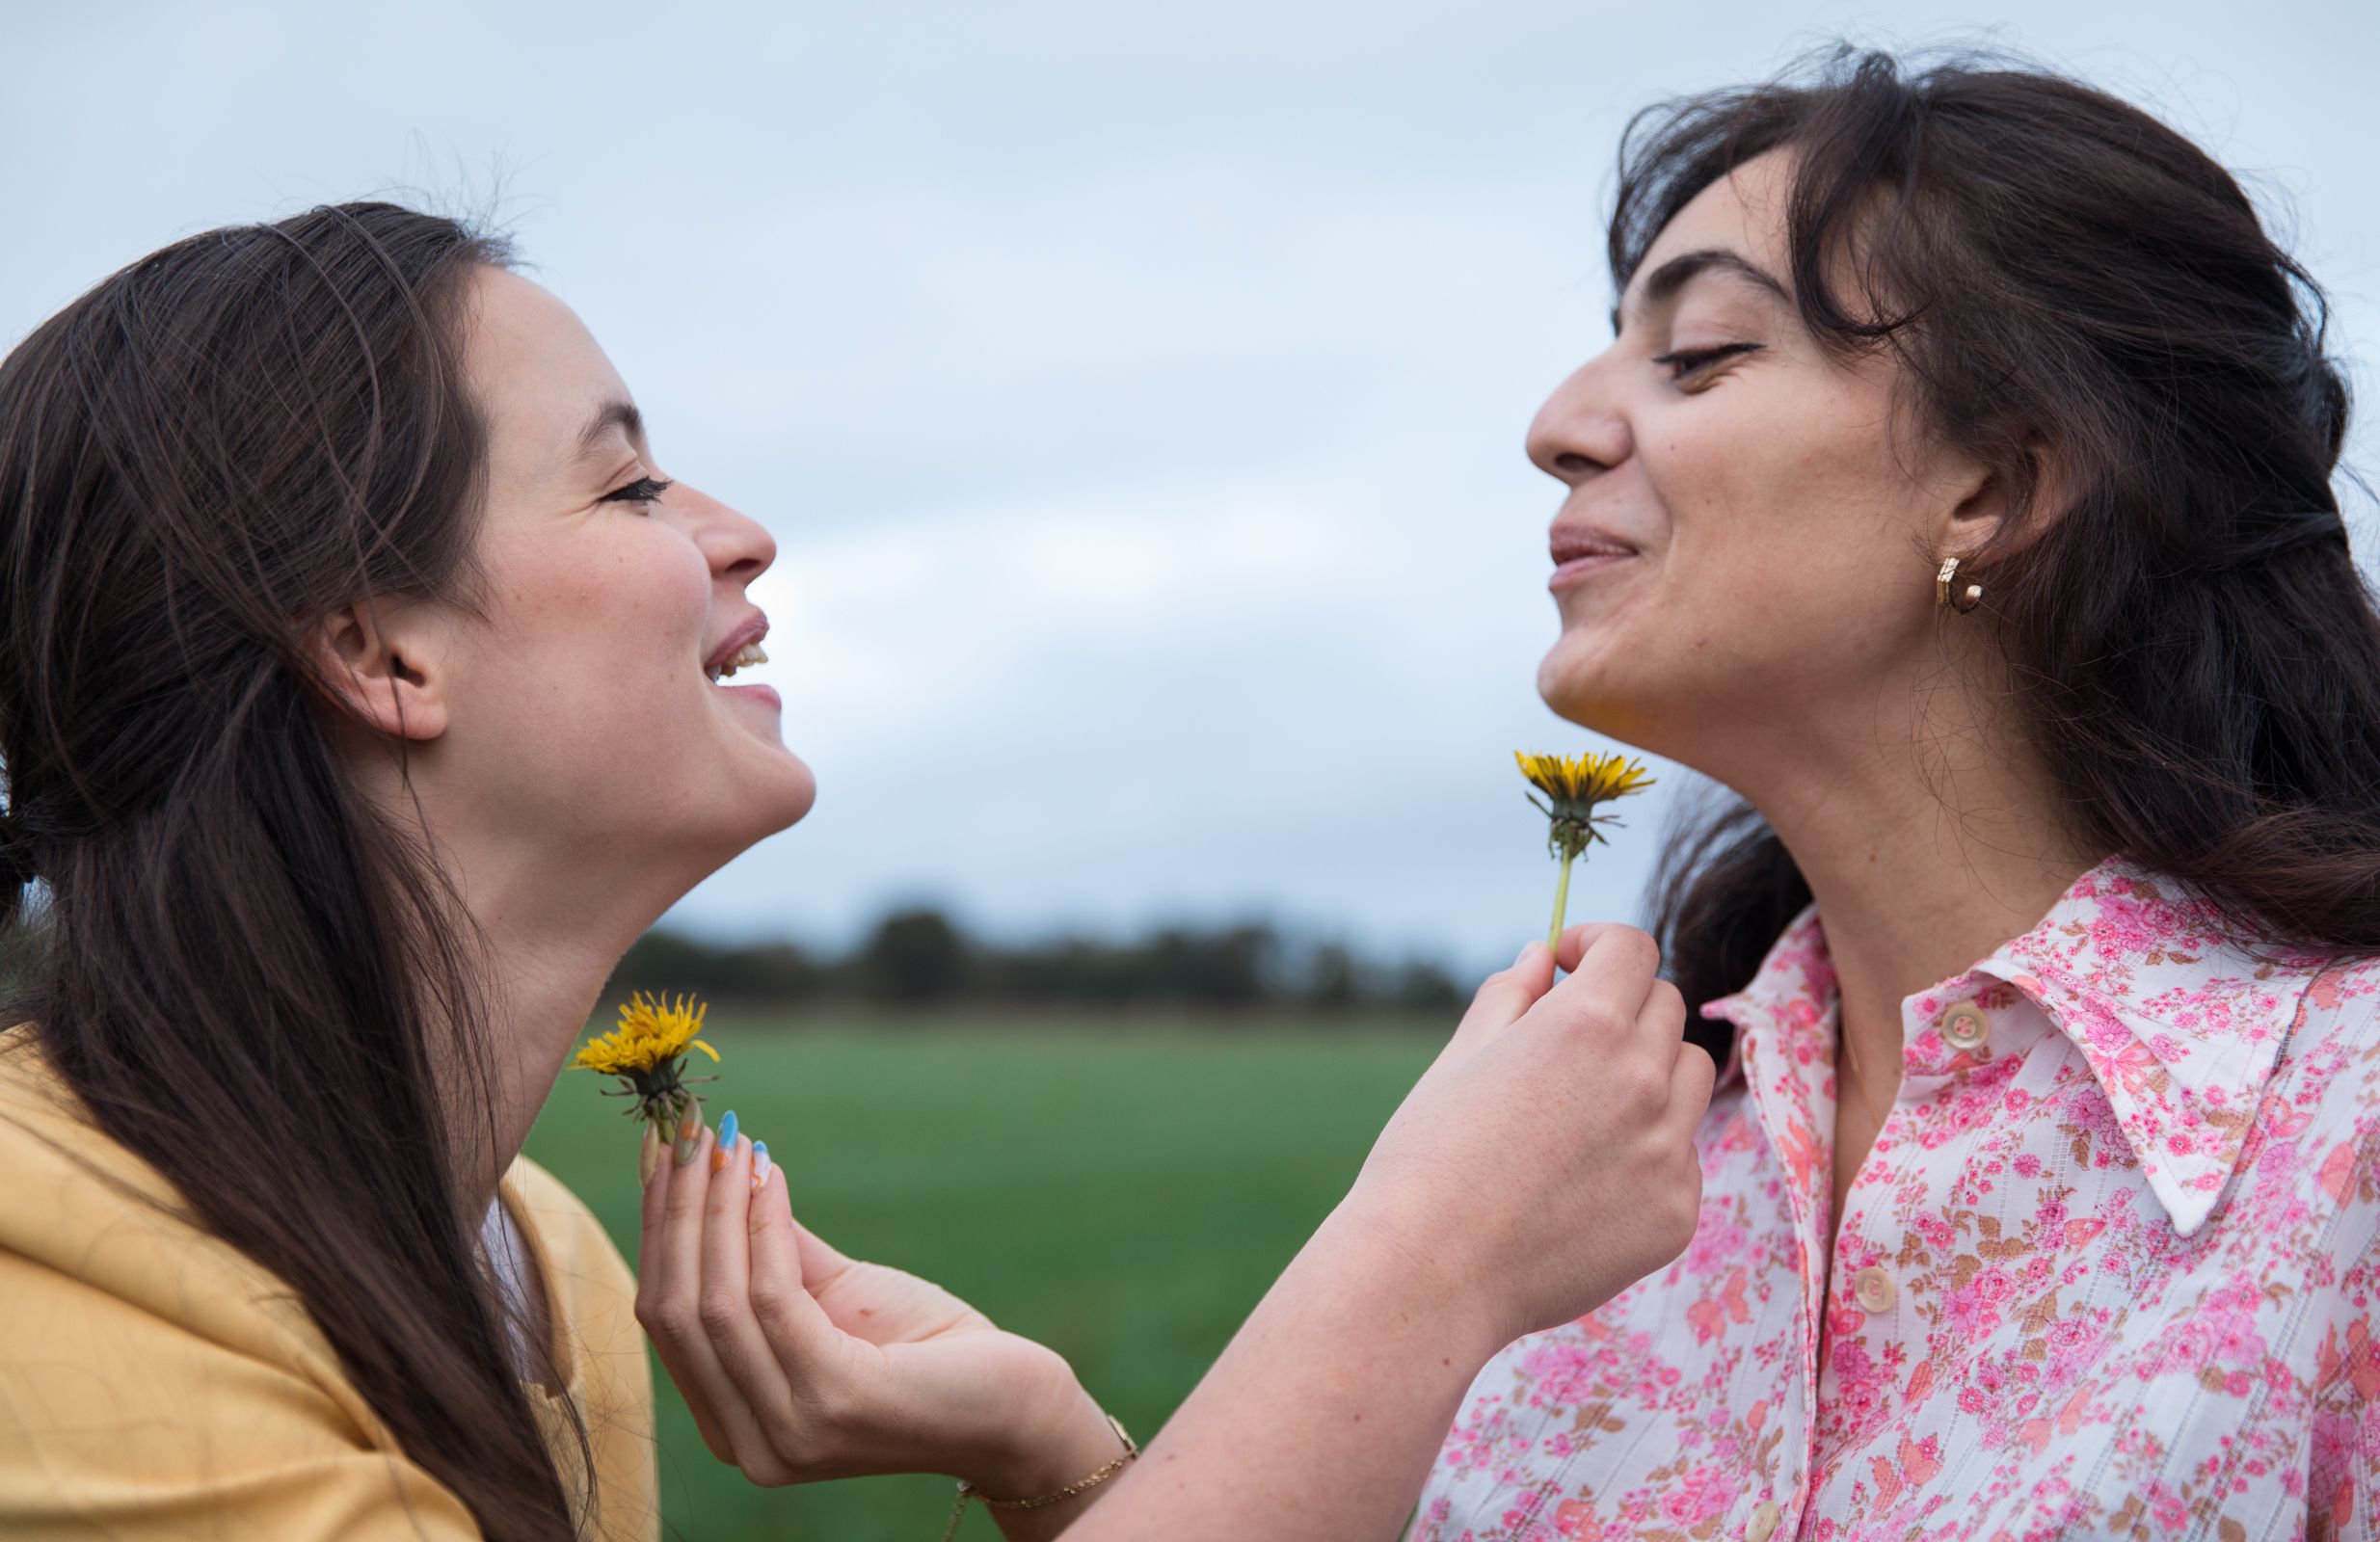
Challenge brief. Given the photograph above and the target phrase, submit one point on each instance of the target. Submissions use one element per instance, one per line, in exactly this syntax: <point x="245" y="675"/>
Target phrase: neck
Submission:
<point x="1927" y="842"/>
<point x="543" y="968"/>
<point x="546" y="923"/>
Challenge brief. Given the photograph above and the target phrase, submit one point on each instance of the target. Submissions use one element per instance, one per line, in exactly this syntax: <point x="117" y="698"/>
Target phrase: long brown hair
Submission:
<point x="2060" y="275"/>
<point x="252" y="979"/>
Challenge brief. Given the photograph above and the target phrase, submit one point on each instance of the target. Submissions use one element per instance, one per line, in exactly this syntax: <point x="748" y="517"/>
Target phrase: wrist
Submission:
<point x="1064" y="1439"/>
<point x="1399" y="1269"/>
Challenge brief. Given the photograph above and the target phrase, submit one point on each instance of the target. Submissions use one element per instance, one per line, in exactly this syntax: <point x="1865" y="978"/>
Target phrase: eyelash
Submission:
<point x="1682" y="365"/>
<point x="644" y="489"/>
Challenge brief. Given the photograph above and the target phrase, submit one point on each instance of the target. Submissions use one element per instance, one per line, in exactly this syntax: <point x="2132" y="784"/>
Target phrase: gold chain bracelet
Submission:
<point x="1084" y="1485"/>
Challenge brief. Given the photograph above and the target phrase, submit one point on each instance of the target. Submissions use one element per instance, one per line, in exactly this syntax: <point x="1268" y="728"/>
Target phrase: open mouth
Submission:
<point x="744" y="657"/>
<point x="739" y="649"/>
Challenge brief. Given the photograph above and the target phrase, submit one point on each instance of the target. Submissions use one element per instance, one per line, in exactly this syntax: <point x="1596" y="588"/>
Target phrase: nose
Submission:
<point x="1580" y="430"/>
<point x="738" y="547"/>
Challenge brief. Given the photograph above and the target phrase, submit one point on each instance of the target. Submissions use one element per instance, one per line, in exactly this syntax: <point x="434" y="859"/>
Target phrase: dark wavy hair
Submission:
<point x="252" y="979"/>
<point x="2065" y="281"/>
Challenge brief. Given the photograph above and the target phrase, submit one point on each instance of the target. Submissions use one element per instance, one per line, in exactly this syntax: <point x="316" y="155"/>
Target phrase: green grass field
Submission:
<point x="1123" y="1192"/>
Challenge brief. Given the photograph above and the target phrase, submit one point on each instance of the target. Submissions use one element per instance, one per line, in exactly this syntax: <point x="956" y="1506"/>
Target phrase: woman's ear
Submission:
<point x="384" y="663"/>
<point x="1985" y="509"/>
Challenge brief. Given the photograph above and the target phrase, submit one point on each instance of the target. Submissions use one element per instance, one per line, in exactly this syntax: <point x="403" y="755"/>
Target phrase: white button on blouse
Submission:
<point x="1874" y="1290"/>
<point x="1964" y="1026"/>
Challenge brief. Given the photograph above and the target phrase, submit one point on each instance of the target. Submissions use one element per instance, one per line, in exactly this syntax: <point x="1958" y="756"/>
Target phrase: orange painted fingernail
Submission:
<point x="689" y="1136"/>
<point x="719" y="1155"/>
<point x="648" y="1157"/>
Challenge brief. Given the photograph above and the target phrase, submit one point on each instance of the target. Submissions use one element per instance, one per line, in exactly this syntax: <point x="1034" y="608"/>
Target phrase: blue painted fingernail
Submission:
<point x="727" y="1128"/>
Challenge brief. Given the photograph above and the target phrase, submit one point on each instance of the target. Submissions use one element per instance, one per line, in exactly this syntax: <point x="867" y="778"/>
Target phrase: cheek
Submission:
<point x="1790" y="502"/>
<point x="1786" y="563"/>
<point x="600" y="630"/>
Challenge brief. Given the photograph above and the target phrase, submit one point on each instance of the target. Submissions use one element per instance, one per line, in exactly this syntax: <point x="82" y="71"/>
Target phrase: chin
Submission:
<point x="1570" y="680"/>
<point x="791" y="794"/>
<point x="1580" y="685"/>
<point x="757" y="803"/>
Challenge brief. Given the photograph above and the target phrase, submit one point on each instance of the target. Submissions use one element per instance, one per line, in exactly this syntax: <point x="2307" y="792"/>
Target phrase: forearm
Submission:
<point x="1322" y="1418"/>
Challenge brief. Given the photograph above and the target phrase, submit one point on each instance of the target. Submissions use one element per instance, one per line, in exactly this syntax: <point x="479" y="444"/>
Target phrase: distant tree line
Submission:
<point x="920" y="957"/>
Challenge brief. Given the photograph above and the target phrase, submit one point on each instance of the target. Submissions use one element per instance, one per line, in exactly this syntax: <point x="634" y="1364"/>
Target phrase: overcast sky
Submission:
<point x="1135" y="390"/>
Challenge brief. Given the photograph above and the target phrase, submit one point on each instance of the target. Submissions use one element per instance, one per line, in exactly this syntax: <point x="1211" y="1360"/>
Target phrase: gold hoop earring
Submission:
<point x="1961" y="601"/>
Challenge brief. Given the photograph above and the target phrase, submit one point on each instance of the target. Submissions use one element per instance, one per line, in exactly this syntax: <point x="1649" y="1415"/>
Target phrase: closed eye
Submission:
<point x="1692" y="360"/>
<point x="644" y="489"/>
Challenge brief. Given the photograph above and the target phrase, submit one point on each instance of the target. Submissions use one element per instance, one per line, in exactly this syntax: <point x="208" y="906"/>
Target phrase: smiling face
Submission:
<point x="578" y="703"/>
<point x="1744" y="544"/>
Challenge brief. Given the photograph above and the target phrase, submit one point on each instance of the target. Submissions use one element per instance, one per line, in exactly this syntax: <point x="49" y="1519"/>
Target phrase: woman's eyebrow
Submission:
<point x="1666" y="281"/>
<point x="621" y="415"/>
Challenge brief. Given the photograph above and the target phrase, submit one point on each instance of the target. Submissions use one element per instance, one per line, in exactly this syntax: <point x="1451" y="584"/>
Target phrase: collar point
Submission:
<point x="2189" y="1200"/>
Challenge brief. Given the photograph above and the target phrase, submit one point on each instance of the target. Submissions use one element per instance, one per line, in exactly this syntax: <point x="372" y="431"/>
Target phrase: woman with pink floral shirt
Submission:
<point x="1958" y="491"/>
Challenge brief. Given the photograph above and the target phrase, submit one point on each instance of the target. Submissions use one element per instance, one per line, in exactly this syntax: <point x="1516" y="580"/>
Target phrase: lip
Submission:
<point x="765" y="694"/>
<point x="751" y="631"/>
<point x="1581" y="549"/>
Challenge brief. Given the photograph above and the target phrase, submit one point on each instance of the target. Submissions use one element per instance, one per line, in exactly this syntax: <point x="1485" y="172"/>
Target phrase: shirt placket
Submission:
<point x="1867" y="1296"/>
<point x="1945" y="1035"/>
<point x="1789" y="1074"/>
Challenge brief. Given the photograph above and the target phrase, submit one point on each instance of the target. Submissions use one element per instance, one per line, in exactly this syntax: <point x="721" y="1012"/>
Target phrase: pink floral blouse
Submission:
<point x="2108" y="1271"/>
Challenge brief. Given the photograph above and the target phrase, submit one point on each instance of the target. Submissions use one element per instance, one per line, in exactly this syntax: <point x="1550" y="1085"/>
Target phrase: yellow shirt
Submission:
<point x="156" y="1383"/>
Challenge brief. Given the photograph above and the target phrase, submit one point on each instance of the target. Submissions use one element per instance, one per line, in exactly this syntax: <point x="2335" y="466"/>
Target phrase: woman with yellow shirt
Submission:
<point x="363" y="697"/>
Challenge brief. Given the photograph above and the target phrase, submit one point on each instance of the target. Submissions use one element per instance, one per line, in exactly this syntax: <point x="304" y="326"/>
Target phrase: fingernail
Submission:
<point x="649" y="1160"/>
<point x="759" y="1163"/>
<point x="721" y="1154"/>
<point x="689" y="1136"/>
<point x="727" y="1128"/>
<point x="1522" y="956"/>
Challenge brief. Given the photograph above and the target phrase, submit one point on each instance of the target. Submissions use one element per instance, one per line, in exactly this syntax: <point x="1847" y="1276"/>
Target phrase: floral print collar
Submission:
<point x="2180" y="1024"/>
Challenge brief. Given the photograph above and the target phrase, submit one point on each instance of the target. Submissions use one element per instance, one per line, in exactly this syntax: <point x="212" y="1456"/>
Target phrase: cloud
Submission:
<point x="1136" y="391"/>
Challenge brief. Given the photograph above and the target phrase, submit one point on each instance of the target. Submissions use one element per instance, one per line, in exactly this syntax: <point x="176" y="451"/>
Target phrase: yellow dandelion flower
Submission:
<point x="1583" y="779"/>
<point x="646" y="1051"/>
<point x="1574" y="786"/>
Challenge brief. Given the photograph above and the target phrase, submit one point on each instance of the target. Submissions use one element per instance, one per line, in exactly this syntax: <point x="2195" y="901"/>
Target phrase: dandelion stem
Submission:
<point x="1562" y="903"/>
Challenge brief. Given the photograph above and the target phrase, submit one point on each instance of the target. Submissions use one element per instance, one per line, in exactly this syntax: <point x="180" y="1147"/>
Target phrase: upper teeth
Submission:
<point x="745" y="656"/>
